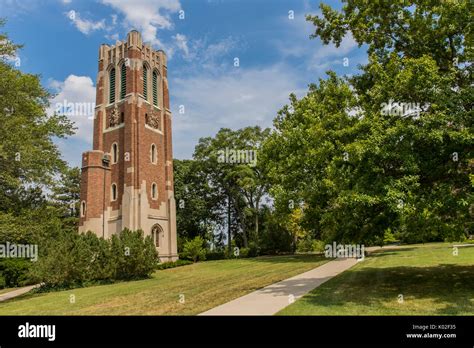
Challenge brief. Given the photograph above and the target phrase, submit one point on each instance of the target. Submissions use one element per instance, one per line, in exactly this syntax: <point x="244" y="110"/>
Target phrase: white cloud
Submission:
<point x="147" y="16"/>
<point x="80" y="91"/>
<point x="85" y="26"/>
<point x="219" y="49"/>
<point x="235" y="99"/>
<point x="211" y="57"/>
<point x="182" y="43"/>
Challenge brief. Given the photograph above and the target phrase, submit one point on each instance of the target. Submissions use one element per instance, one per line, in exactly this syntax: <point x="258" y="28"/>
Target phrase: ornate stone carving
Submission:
<point x="114" y="119"/>
<point x="153" y="120"/>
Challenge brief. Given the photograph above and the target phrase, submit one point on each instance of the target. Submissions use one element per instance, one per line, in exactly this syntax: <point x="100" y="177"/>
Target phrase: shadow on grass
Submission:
<point x="290" y="258"/>
<point x="390" y="251"/>
<point x="449" y="285"/>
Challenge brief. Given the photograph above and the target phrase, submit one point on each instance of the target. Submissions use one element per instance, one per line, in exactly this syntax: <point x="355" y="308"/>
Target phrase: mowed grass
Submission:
<point x="5" y="290"/>
<point x="184" y="290"/>
<point x="429" y="278"/>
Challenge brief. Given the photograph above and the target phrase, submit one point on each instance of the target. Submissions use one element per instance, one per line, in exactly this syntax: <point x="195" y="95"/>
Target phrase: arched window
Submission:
<point x="114" y="192"/>
<point x="123" y="81"/>
<point x="153" y="156"/>
<point x="155" y="234"/>
<point x="112" y="86"/>
<point x="154" y="191"/>
<point x="145" y="82"/>
<point x="155" y="86"/>
<point x="115" y="153"/>
<point x="83" y="208"/>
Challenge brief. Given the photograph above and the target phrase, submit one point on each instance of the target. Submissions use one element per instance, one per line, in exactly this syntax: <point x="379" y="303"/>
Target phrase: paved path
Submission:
<point x="17" y="292"/>
<point x="273" y="298"/>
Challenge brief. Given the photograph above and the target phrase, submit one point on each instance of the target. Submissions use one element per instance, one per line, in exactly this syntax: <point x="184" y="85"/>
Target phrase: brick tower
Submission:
<point x="127" y="179"/>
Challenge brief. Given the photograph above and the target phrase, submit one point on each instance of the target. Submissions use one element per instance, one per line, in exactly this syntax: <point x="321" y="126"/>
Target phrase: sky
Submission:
<point x="203" y="39"/>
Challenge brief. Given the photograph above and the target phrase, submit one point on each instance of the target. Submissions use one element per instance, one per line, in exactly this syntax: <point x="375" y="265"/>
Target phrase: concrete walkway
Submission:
<point x="17" y="292"/>
<point x="273" y="298"/>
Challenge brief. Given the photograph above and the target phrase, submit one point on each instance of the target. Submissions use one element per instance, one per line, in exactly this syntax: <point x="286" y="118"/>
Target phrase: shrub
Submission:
<point x="194" y="250"/>
<point x="58" y="267"/>
<point x="134" y="256"/>
<point x="244" y="252"/>
<point x="304" y="245"/>
<point x="76" y="259"/>
<point x="173" y="264"/>
<point x="215" y="255"/>
<point x="317" y="246"/>
<point x="234" y="251"/>
<point x="14" y="272"/>
<point x="389" y="237"/>
<point x="274" y="238"/>
<point x="254" y="249"/>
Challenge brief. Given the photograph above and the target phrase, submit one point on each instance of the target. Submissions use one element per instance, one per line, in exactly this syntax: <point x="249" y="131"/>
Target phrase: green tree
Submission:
<point x="30" y="162"/>
<point x="66" y="195"/>
<point x="411" y="28"/>
<point x="361" y="162"/>
<point x="240" y="184"/>
<point x="28" y="155"/>
<point x="198" y="205"/>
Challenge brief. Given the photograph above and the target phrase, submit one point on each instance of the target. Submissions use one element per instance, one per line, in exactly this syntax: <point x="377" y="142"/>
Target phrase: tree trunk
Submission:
<point x="229" y="236"/>
<point x="256" y="221"/>
<point x="244" y="235"/>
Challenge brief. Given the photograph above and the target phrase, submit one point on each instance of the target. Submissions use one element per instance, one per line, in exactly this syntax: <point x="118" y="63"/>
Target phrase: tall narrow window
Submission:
<point x="114" y="192"/>
<point x="145" y="82"/>
<point x="154" y="192"/>
<point x="114" y="153"/>
<point x="155" y="234"/>
<point x="153" y="153"/>
<point x="155" y="85"/>
<point x="83" y="209"/>
<point x="112" y="86"/>
<point x="123" y="81"/>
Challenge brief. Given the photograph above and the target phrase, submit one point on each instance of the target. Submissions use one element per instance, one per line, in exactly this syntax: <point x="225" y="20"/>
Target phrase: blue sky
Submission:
<point x="276" y="56"/>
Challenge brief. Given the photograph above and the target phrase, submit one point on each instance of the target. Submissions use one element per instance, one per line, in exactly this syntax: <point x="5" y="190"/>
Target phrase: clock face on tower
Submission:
<point x="127" y="178"/>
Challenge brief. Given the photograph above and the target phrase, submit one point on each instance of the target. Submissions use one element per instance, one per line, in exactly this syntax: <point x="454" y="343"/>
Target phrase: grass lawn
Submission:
<point x="430" y="278"/>
<point x="5" y="290"/>
<point x="204" y="286"/>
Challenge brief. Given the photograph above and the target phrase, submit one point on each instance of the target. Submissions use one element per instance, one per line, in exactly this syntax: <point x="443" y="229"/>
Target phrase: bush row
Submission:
<point x="194" y="250"/>
<point x="76" y="259"/>
<point x="173" y="264"/>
